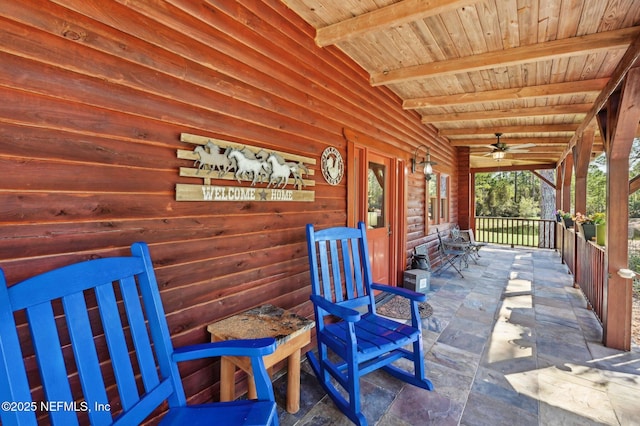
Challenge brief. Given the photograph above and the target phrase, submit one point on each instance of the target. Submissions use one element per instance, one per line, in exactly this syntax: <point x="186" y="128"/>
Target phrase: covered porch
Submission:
<point x="511" y="343"/>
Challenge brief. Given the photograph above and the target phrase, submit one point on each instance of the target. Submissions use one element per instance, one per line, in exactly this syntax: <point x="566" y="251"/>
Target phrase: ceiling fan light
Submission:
<point x="498" y="155"/>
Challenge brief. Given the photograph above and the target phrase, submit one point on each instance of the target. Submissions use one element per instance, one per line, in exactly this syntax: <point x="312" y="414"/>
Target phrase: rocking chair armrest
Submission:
<point x="409" y="294"/>
<point x="347" y="314"/>
<point x="245" y="347"/>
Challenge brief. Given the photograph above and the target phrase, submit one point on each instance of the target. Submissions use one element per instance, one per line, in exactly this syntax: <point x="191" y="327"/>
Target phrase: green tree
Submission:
<point x="500" y="194"/>
<point x="596" y="187"/>
<point x="528" y="207"/>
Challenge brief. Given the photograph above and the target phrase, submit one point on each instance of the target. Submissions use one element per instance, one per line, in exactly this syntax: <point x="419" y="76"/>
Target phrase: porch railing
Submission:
<point x="567" y="246"/>
<point x="585" y="260"/>
<point x="516" y="231"/>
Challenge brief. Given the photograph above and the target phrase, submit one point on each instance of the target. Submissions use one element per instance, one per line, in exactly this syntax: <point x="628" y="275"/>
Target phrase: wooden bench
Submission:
<point x="103" y="319"/>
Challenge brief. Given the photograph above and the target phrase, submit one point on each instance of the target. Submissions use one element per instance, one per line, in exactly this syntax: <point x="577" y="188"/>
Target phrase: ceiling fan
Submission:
<point x="499" y="149"/>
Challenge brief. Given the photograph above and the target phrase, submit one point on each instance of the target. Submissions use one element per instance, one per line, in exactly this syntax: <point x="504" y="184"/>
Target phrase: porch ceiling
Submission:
<point x="529" y="69"/>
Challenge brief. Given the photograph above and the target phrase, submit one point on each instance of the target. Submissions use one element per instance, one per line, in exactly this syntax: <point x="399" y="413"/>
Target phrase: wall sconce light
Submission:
<point x="428" y="164"/>
<point x="498" y="155"/>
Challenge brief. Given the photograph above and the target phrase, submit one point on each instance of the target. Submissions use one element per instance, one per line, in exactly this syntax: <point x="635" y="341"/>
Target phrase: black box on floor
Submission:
<point x="417" y="280"/>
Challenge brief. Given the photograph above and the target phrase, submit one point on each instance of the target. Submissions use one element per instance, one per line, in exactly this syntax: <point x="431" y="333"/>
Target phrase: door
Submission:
<point x="375" y="194"/>
<point x="378" y="218"/>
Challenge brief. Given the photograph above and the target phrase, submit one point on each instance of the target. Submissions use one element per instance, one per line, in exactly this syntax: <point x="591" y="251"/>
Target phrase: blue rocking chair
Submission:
<point x="360" y="341"/>
<point x="100" y="318"/>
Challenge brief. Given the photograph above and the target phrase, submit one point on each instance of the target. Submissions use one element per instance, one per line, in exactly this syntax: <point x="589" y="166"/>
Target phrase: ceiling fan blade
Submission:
<point x="523" y="146"/>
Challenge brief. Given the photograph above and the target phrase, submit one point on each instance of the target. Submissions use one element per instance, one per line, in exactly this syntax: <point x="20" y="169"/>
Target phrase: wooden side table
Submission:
<point x="292" y="332"/>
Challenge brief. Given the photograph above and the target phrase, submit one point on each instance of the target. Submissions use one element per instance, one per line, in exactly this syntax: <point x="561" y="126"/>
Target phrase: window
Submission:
<point x="444" y="199"/>
<point x="432" y="201"/>
<point x="437" y="208"/>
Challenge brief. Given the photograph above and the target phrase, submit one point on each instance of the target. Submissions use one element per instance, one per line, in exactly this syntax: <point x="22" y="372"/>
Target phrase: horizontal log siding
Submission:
<point x="95" y="95"/>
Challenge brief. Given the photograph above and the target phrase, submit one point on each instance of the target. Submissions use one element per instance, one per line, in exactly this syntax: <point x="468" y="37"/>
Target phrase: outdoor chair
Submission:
<point x="459" y="236"/>
<point x="450" y="253"/>
<point x="360" y="341"/>
<point x="467" y="235"/>
<point x="104" y="318"/>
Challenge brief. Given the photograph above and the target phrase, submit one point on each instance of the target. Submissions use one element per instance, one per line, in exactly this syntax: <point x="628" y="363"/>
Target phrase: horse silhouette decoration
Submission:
<point x="247" y="167"/>
<point x="210" y="158"/>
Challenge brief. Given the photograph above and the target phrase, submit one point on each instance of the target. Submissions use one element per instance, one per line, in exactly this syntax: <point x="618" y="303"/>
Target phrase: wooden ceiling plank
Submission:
<point x="385" y="17"/>
<point x="587" y="44"/>
<point x="507" y="16"/>
<point x="555" y="89"/>
<point x="502" y="113"/>
<point x="528" y="21"/>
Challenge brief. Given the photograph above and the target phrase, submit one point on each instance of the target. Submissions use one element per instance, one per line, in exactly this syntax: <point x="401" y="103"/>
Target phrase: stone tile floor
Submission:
<point x="510" y="344"/>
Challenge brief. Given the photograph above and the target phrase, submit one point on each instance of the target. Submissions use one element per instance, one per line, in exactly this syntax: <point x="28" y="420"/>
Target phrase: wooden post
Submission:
<point x="566" y="183"/>
<point x="464" y="190"/>
<point x="472" y="198"/>
<point x="618" y="122"/>
<point x="559" y="173"/>
<point x="582" y="155"/>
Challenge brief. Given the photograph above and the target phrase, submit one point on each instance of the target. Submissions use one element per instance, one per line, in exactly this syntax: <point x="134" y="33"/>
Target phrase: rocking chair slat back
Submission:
<point x="343" y="273"/>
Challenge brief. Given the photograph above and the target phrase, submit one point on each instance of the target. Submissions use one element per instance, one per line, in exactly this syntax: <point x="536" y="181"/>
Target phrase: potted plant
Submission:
<point x="599" y="219"/>
<point x="567" y="219"/>
<point x="559" y="214"/>
<point x="586" y="226"/>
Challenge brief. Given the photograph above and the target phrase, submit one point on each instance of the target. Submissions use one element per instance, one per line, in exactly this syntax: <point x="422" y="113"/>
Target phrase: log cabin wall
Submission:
<point x="95" y="95"/>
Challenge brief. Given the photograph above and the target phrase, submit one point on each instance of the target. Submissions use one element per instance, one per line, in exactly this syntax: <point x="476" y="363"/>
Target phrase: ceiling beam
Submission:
<point x="509" y="141"/>
<point x="508" y="130"/>
<point x="544" y="179"/>
<point x="517" y="168"/>
<point x="550" y="50"/>
<point x="626" y="63"/>
<point x="634" y="184"/>
<point x="533" y="156"/>
<point x="386" y="17"/>
<point x="530" y="92"/>
<point x="508" y="113"/>
<point x="556" y="149"/>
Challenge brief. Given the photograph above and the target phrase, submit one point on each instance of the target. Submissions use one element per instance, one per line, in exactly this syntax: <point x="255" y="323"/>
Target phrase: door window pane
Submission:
<point x="376" y="214"/>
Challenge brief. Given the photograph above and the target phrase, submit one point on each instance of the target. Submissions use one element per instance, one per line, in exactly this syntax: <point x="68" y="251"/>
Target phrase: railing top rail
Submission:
<point x="521" y="231"/>
<point x="516" y="218"/>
